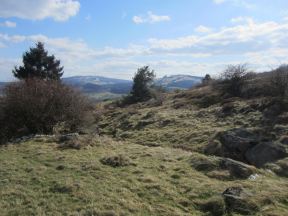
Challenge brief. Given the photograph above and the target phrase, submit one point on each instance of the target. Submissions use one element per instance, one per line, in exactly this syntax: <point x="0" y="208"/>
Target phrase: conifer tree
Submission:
<point x="38" y="64"/>
<point x="140" y="89"/>
<point x="207" y="79"/>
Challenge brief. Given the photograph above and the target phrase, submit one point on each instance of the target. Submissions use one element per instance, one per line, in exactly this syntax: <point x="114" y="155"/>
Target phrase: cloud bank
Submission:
<point x="58" y="10"/>
<point x="245" y="40"/>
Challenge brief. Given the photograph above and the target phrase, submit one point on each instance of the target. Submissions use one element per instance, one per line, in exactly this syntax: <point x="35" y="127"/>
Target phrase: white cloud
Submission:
<point x="203" y="29"/>
<point x="239" y="3"/>
<point x="150" y="18"/>
<point x="125" y="68"/>
<point x="6" y="66"/>
<point x="13" y="38"/>
<point x="8" y="24"/>
<point x="242" y="19"/>
<point x="59" y="10"/>
<point x="240" y="38"/>
<point x="138" y="19"/>
<point x="246" y="40"/>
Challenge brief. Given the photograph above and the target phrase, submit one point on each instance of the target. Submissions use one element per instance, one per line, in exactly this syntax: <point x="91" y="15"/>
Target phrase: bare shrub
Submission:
<point x="278" y="81"/>
<point x="233" y="79"/>
<point x="36" y="106"/>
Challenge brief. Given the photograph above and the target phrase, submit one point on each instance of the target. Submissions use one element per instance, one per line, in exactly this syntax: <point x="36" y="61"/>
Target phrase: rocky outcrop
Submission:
<point x="236" y="142"/>
<point x="234" y="169"/>
<point x="233" y="143"/>
<point x="264" y="153"/>
<point x="245" y="146"/>
<point x="238" y="169"/>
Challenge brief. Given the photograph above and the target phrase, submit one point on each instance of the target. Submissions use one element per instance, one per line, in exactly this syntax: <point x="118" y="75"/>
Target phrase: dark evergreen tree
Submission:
<point x="141" y="81"/>
<point x="206" y="80"/>
<point x="38" y="64"/>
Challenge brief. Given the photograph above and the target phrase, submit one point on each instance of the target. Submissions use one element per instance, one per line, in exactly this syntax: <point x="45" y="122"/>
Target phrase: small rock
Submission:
<point x="60" y="167"/>
<point x="253" y="177"/>
<point x="237" y="200"/>
<point x="238" y="169"/>
<point x="204" y="164"/>
<point x="67" y="137"/>
<point x="116" y="161"/>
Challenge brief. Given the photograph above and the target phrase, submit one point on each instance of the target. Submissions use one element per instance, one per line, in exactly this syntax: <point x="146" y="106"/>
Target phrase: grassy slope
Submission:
<point x="103" y="96"/>
<point x="178" y="123"/>
<point x="38" y="178"/>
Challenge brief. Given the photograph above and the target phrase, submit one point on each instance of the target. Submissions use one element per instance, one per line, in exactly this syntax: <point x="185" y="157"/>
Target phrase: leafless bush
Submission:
<point x="36" y="106"/>
<point x="278" y="81"/>
<point x="234" y="78"/>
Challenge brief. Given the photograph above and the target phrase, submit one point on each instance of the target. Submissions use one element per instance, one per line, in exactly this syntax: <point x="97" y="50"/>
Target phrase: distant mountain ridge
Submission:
<point x="99" y="85"/>
<point x="119" y="86"/>
<point x="178" y="81"/>
<point x="98" y="80"/>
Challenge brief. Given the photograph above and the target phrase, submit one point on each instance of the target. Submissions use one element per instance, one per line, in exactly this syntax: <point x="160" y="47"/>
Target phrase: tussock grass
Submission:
<point x="161" y="183"/>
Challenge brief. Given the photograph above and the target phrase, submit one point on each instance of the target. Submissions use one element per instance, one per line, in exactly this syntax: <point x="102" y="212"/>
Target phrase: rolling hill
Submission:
<point x="178" y="158"/>
<point x="178" y="81"/>
<point x="98" y="84"/>
<point x="101" y="88"/>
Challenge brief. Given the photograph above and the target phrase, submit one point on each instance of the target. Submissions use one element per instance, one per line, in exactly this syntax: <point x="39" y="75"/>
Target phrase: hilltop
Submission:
<point x="150" y="158"/>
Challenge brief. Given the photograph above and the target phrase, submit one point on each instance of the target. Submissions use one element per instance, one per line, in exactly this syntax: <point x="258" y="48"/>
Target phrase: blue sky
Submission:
<point x="114" y="37"/>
